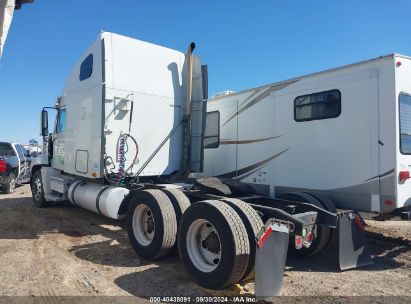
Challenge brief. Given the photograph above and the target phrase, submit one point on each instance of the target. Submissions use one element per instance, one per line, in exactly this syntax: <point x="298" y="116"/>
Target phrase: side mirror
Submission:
<point x="44" y="123"/>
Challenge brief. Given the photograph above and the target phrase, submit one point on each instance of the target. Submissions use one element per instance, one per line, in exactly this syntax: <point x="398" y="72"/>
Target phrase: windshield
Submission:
<point x="6" y="150"/>
<point x="405" y="123"/>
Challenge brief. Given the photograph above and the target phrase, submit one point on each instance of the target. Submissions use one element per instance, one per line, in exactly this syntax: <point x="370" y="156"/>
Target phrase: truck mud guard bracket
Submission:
<point x="353" y="249"/>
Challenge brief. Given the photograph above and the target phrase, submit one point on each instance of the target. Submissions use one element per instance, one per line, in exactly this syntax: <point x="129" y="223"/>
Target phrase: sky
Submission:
<point x="244" y="43"/>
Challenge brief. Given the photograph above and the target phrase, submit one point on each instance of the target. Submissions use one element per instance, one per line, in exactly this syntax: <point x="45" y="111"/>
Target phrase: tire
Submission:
<point x="229" y="257"/>
<point x="180" y="203"/>
<point x="37" y="190"/>
<point x="326" y="203"/>
<point x="11" y="183"/>
<point x="253" y="224"/>
<point x="151" y="224"/>
<point x="323" y="233"/>
<point x="179" y="200"/>
<point x="329" y="206"/>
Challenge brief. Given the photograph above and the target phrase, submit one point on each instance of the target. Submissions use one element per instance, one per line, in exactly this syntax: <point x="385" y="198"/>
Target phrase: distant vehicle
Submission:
<point x="34" y="150"/>
<point x="14" y="166"/>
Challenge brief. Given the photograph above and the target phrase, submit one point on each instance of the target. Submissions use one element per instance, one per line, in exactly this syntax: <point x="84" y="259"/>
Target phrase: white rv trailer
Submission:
<point x="129" y="128"/>
<point x="344" y="132"/>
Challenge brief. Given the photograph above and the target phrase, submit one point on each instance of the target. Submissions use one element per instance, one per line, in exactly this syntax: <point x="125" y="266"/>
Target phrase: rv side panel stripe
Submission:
<point x="252" y="167"/>
<point x="382" y="175"/>
<point x="246" y="141"/>
<point x="260" y="97"/>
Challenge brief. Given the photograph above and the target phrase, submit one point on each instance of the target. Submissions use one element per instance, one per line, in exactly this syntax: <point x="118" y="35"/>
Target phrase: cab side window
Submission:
<point x="61" y="121"/>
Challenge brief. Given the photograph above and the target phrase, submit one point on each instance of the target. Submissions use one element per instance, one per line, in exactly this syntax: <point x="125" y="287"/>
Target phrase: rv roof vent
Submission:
<point x="224" y="93"/>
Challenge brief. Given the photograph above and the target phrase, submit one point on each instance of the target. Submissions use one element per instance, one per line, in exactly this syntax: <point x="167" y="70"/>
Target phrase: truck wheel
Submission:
<point x="253" y="224"/>
<point x="179" y="200"/>
<point x="213" y="244"/>
<point x="151" y="225"/>
<point x="323" y="233"/>
<point x="329" y="206"/>
<point x="37" y="190"/>
<point x="11" y="184"/>
<point x="180" y="203"/>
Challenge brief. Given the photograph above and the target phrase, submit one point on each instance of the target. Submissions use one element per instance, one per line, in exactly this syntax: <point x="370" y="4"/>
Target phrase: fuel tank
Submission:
<point x="102" y="199"/>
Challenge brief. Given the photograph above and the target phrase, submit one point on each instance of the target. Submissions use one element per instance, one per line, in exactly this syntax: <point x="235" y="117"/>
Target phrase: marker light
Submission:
<point x="310" y="237"/>
<point x="298" y="241"/>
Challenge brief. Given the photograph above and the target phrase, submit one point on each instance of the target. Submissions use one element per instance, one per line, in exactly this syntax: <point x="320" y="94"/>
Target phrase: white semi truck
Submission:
<point x="128" y="142"/>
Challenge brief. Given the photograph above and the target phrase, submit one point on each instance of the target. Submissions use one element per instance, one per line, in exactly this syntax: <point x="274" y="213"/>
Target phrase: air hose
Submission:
<point x="118" y="178"/>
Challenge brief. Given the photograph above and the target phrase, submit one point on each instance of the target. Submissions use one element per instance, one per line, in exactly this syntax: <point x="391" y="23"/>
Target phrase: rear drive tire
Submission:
<point x="179" y="200"/>
<point x="180" y="203"/>
<point x="253" y="224"/>
<point x="37" y="190"/>
<point x="323" y="233"/>
<point x="11" y="184"/>
<point x="151" y="224"/>
<point x="213" y="244"/>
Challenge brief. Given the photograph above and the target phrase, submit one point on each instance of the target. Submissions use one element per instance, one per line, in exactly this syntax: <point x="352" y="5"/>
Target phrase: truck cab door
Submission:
<point x="58" y="140"/>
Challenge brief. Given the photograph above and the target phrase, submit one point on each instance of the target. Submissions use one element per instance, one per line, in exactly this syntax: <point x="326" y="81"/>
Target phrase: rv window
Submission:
<point x="405" y="124"/>
<point x="86" y="68"/>
<point x="318" y="106"/>
<point x="212" y="131"/>
<point x="61" y="121"/>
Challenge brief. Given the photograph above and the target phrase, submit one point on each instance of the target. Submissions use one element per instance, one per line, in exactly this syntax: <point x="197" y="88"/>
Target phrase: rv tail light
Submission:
<point x="404" y="175"/>
<point x="398" y="64"/>
<point x="298" y="241"/>
<point x="2" y="166"/>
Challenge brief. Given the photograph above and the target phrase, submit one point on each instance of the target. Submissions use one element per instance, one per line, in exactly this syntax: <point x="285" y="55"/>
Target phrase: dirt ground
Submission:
<point x="66" y="251"/>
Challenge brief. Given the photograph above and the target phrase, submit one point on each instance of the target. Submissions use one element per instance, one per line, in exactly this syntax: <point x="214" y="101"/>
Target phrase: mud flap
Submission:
<point x="270" y="261"/>
<point x="353" y="249"/>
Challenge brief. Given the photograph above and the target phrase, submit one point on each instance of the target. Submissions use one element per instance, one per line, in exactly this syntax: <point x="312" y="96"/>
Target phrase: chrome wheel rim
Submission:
<point x="12" y="184"/>
<point x="143" y="224"/>
<point x="203" y="245"/>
